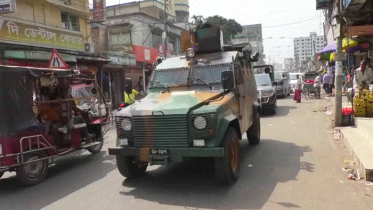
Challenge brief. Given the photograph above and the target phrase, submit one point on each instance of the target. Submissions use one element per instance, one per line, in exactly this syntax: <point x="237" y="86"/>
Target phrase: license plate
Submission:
<point x="159" y="152"/>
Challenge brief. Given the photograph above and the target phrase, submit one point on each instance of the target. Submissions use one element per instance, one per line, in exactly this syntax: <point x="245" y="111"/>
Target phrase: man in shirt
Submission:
<point x="130" y="98"/>
<point x="363" y="76"/>
<point x="331" y="83"/>
<point x="326" y="80"/>
<point x="317" y="85"/>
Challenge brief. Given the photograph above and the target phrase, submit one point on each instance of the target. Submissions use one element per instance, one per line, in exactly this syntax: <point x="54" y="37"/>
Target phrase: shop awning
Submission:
<point x="36" y="55"/>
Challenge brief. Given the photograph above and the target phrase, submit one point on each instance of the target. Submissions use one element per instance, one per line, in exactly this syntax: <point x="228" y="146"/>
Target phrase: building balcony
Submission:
<point x="76" y="7"/>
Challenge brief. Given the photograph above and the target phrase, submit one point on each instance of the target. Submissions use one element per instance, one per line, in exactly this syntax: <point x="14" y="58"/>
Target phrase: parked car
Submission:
<point x="293" y="80"/>
<point x="282" y="78"/>
<point x="266" y="93"/>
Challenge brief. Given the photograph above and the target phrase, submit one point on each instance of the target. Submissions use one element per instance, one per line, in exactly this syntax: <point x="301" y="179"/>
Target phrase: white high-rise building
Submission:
<point x="306" y="47"/>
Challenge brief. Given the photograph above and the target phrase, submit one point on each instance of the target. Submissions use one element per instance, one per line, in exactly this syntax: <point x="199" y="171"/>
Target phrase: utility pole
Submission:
<point x="165" y="29"/>
<point x="338" y="69"/>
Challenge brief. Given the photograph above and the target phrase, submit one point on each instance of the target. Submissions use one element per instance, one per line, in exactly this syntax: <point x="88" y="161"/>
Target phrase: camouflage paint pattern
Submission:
<point x="181" y="101"/>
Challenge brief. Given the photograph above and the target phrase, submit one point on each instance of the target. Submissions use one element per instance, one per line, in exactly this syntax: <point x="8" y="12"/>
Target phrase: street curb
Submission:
<point x="366" y="173"/>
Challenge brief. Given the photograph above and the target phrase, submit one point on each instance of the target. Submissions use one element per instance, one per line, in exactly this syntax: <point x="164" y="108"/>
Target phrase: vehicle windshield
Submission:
<point x="262" y="80"/>
<point x="84" y="92"/>
<point x="195" y="75"/>
<point x="309" y="76"/>
<point x="278" y="75"/>
<point x="293" y="76"/>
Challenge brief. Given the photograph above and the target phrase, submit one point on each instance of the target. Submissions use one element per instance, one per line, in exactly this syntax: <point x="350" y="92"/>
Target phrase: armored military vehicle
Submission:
<point x="197" y="106"/>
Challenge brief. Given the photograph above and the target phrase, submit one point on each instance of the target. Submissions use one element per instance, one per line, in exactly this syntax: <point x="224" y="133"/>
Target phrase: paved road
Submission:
<point x="296" y="165"/>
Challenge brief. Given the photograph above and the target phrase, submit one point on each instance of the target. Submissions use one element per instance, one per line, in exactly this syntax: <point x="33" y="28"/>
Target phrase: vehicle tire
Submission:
<point x="35" y="172"/>
<point x="1" y="174"/>
<point x="253" y="133"/>
<point x="128" y="167"/>
<point x="227" y="167"/>
<point x="289" y="91"/>
<point x="273" y="109"/>
<point x="97" y="148"/>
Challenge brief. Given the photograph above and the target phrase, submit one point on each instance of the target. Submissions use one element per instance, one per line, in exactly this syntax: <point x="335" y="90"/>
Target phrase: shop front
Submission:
<point x="112" y="76"/>
<point x="144" y="57"/>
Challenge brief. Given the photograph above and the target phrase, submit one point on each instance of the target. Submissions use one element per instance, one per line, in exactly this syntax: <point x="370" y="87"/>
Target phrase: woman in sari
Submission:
<point x="298" y="90"/>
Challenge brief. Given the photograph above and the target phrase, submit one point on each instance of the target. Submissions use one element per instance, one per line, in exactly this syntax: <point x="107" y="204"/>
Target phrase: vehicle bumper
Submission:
<point x="176" y="154"/>
<point x="268" y="102"/>
<point x="280" y="92"/>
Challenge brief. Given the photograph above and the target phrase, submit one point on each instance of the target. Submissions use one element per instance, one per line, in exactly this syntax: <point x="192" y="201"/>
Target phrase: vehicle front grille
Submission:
<point x="160" y="131"/>
<point x="279" y="92"/>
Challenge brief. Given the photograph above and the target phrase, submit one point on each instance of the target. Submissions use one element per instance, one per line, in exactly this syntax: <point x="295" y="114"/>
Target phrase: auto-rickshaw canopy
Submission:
<point x="17" y="88"/>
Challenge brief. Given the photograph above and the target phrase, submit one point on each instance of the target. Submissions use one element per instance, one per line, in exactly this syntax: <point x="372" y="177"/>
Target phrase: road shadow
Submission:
<point x="70" y="174"/>
<point x="192" y="185"/>
<point x="281" y="111"/>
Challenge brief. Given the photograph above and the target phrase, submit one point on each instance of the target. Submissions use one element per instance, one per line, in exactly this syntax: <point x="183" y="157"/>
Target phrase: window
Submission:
<point x="70" y="21"/>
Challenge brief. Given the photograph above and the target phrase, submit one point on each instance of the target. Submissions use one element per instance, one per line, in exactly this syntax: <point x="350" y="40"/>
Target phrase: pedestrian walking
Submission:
<point x="298" y="90"/>
<point x="331" y="83"/>
<point x="326" y="80"/>
<point x="317" y="86"/>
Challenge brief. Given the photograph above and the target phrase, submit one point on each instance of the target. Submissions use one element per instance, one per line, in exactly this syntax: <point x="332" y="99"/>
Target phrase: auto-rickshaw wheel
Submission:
<point x="97" y="148"/>
<point x="35" y="172"/>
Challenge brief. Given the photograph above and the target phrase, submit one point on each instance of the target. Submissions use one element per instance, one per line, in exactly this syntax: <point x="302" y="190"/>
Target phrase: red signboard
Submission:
<point x="145" y="54"/>
<point x="99" y="10"/>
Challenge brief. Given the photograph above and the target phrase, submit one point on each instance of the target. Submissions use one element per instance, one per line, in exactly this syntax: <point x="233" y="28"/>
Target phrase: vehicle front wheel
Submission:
<point x="129" y="167"/>
<point x="97" y="148"/>
<point x="227" y="167"/>
<point x="253" y="133"/>
<point x="273" y="109"/>
<point x="34" y="172"/>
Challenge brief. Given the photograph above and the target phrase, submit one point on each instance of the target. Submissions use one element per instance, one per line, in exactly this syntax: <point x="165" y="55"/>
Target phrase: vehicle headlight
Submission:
<point x="267" y="93"/>
<point x="200" y="122"/>
<point x="126" y="124"/>
<point x="190" y="53"/>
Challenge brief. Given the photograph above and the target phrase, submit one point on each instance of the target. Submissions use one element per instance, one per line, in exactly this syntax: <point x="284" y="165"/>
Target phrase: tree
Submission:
<point x="228" y="26"/>
<point x="198" y="19"/>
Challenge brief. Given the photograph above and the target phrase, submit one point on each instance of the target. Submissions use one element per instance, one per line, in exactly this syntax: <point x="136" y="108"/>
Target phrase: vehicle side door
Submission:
<point x="243" y="80"/>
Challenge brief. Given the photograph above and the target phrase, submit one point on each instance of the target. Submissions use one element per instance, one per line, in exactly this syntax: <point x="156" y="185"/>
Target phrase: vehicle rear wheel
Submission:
<point x="34" y="172"/>
<point x="129" y="168"/>
<point x="97" y="148"/>
<point x="227" y="167"/>
<point x="253" y="133"/>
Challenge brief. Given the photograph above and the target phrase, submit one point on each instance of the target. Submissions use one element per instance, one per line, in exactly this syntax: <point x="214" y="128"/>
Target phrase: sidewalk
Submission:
<point x="359" y="141"/>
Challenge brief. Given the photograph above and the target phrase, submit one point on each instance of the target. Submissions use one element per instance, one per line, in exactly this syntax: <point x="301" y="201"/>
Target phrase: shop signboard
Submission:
<point x="7" y="6"/>
<point x="120" y="60"/>
<point x="323" y="4"/>
<point x="145" y="54"/>
<point x="19" y="32"/>
<point x="99" y="10"/>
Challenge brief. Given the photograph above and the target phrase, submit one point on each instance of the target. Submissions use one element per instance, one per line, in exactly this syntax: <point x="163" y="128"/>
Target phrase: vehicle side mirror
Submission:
<point x="94" y="91"/>
<point x="128" y="82"/>
<point x="227" y="79"/>
<point x="274" y="83"/>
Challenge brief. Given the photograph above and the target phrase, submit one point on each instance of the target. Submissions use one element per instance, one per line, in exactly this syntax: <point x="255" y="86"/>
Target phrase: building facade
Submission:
<point x="305" y="48"/>
<point x="132" y="38"/>
<point x="35" y="27"/>
<point x="288" y="64"/>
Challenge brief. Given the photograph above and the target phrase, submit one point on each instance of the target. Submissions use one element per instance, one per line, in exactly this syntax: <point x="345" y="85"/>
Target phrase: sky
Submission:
<point x="279" y="18"/>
